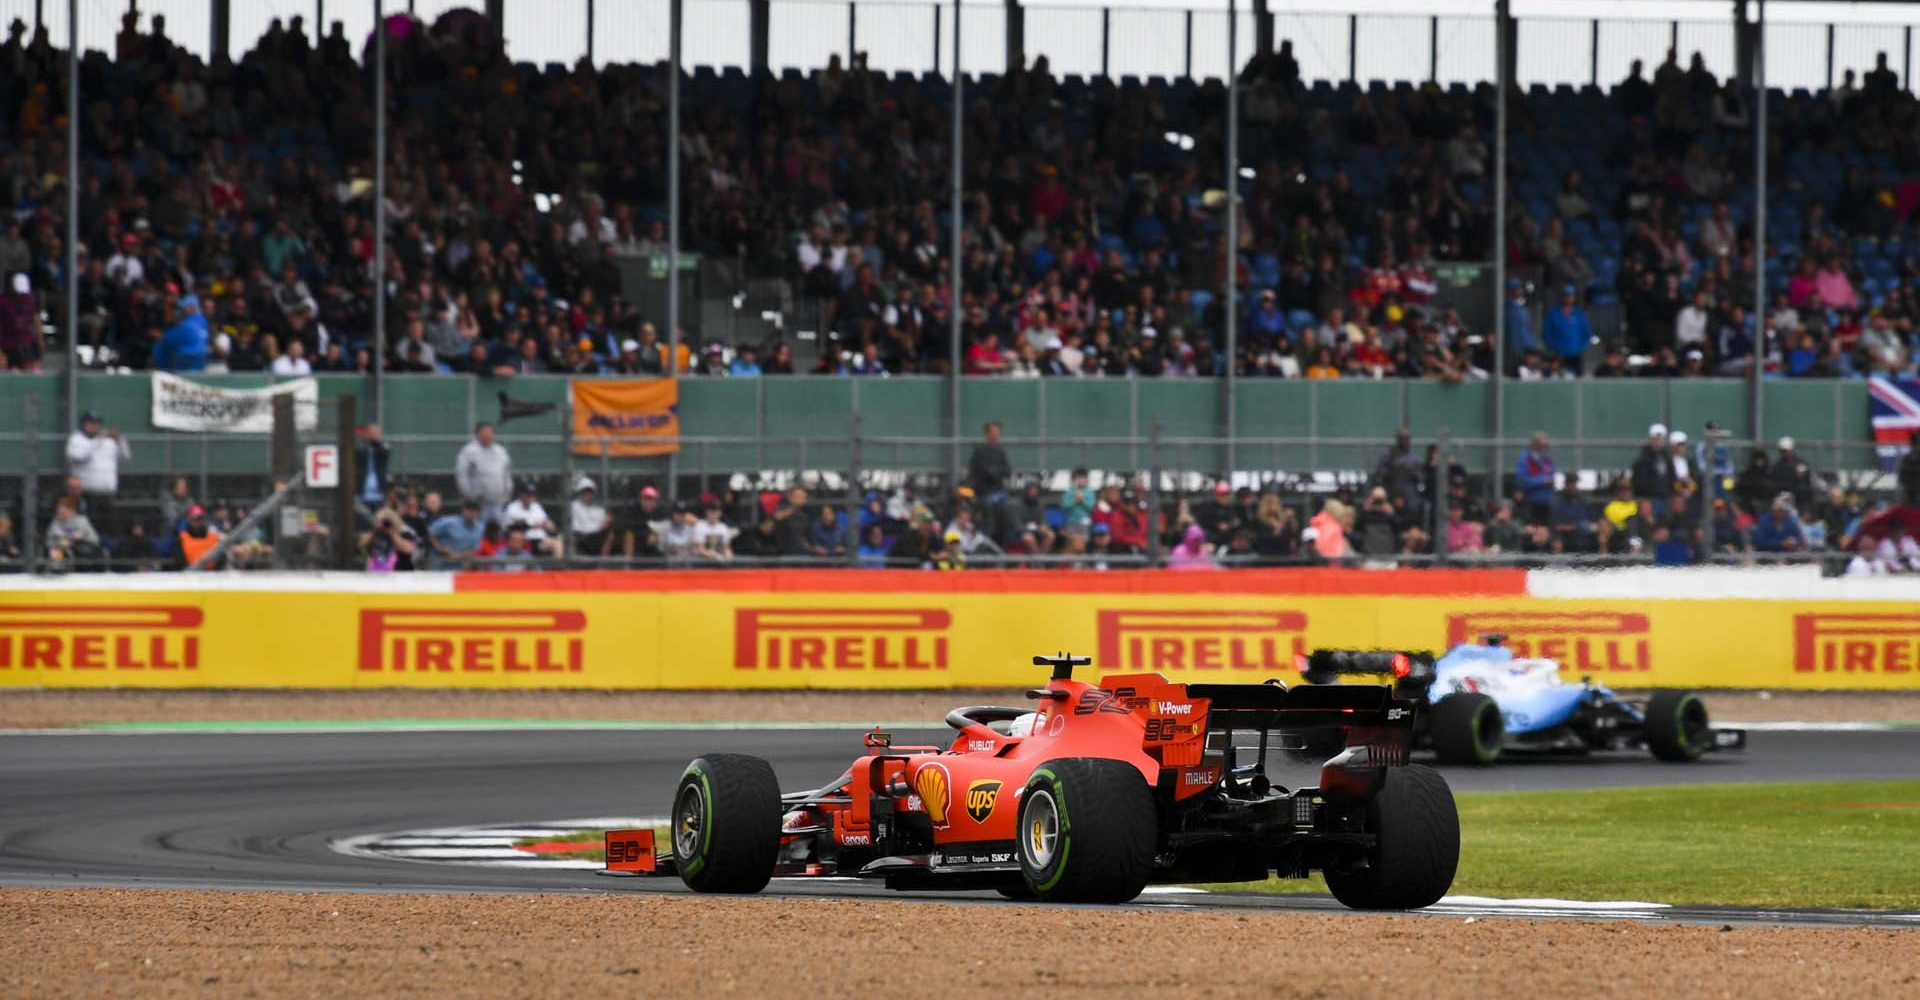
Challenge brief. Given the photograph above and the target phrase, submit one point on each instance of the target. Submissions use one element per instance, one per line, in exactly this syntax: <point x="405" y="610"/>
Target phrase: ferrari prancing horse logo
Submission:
<point x="981" y="796"/>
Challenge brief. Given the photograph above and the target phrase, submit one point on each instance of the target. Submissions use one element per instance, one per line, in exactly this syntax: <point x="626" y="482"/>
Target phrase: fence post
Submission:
<point x="345" y="539"/>
<point x="30" y="472"/>
<point x="566" y="481"/>
<point x="1593" y="52"/>
<point x="1829" y="59"/>
<point x="856" y="501"/>
<point x="1153" y="494"/>
<point x="1433" y="49"/>
<point x="1353" y="48"/>
<point x="1106" y="38"/>
<point x="1442" y="482"/>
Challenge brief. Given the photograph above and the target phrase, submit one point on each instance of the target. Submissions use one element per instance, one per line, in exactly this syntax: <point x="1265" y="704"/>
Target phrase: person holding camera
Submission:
<point x="390" y="545"/>
<point x="94" y="454"/>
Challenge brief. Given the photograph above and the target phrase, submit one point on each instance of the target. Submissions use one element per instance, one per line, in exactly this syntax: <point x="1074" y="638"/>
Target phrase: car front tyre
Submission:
<point x="1677" y="726"/>
<point x="726" y="823"/>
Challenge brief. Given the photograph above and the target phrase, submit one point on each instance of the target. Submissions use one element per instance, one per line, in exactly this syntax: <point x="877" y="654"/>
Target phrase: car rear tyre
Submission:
<point x="726" y="823"/>
<point x="1416" y="846"/>
<point x="1466" y="728"/>
<point x="1677" y="728"/>
<point x="1087" y="831"/>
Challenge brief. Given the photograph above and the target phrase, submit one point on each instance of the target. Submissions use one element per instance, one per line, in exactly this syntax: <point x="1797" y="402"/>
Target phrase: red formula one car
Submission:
<point x="1091" y="796"/>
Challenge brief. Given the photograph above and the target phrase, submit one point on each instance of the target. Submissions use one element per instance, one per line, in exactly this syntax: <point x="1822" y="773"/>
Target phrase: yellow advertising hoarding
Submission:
<point x="661" y="637"/>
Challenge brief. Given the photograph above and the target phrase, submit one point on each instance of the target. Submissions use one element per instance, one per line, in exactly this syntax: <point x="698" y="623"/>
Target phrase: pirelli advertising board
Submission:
<point x="812" y="629"/>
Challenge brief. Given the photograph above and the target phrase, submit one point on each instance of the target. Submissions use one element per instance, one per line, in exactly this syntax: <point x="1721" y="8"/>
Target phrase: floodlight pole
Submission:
<point x="1759" y="222"/>
<point x="379" y="210"/>
<point x="73" y="219"/>
<point x="1232" y="313"/>
<point x="956" y="230"/>
<point x="674" y="16"/>
<point x="1502" y="81"/>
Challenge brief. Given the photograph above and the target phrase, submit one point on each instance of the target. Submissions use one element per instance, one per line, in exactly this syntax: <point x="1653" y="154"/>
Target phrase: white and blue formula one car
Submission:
<point x="1479" y="701"/>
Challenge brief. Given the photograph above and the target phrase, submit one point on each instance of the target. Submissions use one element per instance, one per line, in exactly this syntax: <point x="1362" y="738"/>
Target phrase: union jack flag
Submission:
<point x="1895" y="409"/>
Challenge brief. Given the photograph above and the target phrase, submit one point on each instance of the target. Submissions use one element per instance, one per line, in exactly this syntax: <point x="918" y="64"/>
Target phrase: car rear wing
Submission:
<point x="1324" y="666"/>
<point x="1272" y="707"/>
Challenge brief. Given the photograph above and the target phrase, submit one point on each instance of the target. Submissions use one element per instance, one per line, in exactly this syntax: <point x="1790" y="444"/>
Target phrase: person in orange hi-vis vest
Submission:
<point x="198" y="537"/>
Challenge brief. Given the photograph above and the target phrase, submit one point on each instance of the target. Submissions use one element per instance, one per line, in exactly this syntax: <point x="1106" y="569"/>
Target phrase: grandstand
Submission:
<point x="528" y="207"/>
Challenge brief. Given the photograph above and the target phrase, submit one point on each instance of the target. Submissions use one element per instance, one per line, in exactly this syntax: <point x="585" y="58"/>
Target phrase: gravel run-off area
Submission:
<point x="157" y="944"/>
<point x="55" y="708"/>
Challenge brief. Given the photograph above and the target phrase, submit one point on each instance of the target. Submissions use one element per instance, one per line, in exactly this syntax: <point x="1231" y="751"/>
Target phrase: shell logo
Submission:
<point x="935" y="786"/>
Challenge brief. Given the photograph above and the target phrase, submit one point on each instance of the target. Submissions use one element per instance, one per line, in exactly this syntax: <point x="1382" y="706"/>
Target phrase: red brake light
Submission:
<point x="1401" y="665"/>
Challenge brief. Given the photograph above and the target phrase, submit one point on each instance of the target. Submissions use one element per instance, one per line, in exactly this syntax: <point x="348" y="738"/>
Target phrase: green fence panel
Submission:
<point x="1724" y="401"/>
<point x="1184" y="408"/>
<point x="1080" y="412"/>
<point x="1619" y="410"/>
<point x="896" y="408"/>
<point x="1364" y="413"/>
<point x="14" y="390"/>
<point x="1270" y="409"/>
<point x="818" y="410"/>
<point x="1828" y="420"/>
<point x="1015" y="403"/>
<point x="424" y="404"/>
<point x="1339" y="424"/>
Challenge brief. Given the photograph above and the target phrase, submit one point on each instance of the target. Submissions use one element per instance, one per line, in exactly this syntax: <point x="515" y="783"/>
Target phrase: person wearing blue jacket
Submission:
<point x="1779" y="529"/>
<point x="1533" y="473"/>
<point x="1567" y="330"/>
<point x="184" y="346"/>
<point x="1520" y="335"/>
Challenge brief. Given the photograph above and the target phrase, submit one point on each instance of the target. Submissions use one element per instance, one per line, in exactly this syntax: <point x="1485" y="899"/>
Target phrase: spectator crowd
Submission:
<point x="226" y="217"/>
<point x="1682" y="501"/>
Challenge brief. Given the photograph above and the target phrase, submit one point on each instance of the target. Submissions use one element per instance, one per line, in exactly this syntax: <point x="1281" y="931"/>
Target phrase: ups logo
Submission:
<point x="981" y="796"/>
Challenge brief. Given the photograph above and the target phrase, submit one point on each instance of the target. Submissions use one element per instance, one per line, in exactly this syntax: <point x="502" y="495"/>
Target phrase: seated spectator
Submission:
<point x="196" y="538"/>
<point x="712" y="536"/>
<point x="1329" y="530"/>
<point x="389" y="545"/>
<point x="455" y="538"/>
<point x="525" y="509"/>
<point x="1192" y="552"/>
<point x="1463" y="536"/>
<point x="873" y="548"/>
<point x="827" y="536"/>
<point x="1622" y="507"/>
<point x="516" y="553"/>
<point x="1670" y="548"/>
<point x="9" y="546"/>
<point x="1276" y="534"/>
<point x="1571" y="519"/>
<point x="677" y="541"/>
<point x="644" y="517"/>
<point x="763" y="542"/>
<point x="1374" y="531"/>
<point x="1779" y="530"/>
<point x="71" y="536"/>
<point x="589" y="521"/>
<point x="1866" y="560"/>
<point x="921" y="545"/>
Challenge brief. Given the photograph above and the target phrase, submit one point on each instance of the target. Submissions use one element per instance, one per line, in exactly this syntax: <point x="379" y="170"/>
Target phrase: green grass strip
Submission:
<point x="1853" y="844"/>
